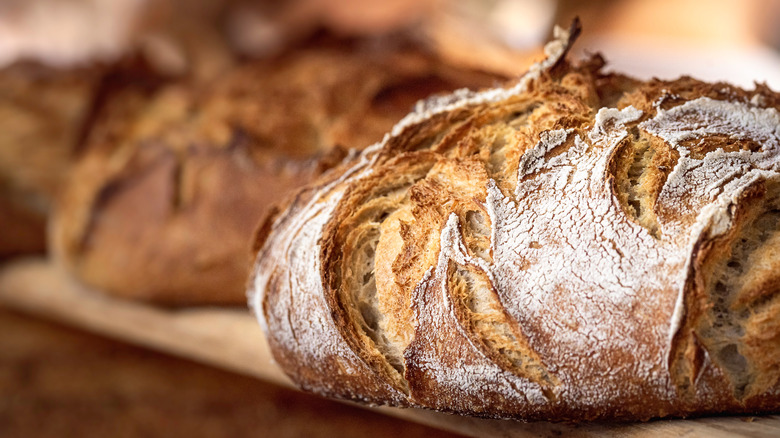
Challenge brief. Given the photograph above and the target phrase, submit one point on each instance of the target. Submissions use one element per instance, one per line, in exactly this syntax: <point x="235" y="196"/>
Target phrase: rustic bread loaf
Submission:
<point x="43" y="112"/>
<point x="56" y="72"/>
<point x="575" y="246"/>
<point x="171" y="186"/>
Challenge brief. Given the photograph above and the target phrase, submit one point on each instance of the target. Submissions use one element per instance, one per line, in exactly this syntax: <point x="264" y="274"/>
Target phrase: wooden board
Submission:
<point x="230" y="338"/>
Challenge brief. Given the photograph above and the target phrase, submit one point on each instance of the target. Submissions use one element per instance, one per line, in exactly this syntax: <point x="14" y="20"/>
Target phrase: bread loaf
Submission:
<point x="574" y="246"/>
<point x="43" y="112"/>
<point x="163" y="204"/>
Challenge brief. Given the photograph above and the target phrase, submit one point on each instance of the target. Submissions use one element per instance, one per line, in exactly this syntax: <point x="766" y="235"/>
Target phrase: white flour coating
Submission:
<point x="758" y="100"/>
<point x="698" y="118"/>
<point x="533" y="160"/>
<point x="710" y="185"/>
<point x="453" y="249"/>
<point x="305" y="288"/>
<point x="610" y="124"/>
<point x="577" y="274"/>
<point x="301" y="317"/>
<point x="713" y="220"/>
<point x="256" y="292"/>
<point x="460" y="369"/>
<point x="424" y="109"/>
<point x="304" y="265"/>
<point x="694" y="183"/>
<point x="591" y="262"/>
<point x="594" y="262"/>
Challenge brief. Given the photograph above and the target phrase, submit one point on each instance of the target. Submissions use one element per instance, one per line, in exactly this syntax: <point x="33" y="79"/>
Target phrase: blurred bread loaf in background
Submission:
<point x="171" y="182"/>
<point x="147" y="95"/>
<point x="58" y="63"/>
<point x="42" y="115"/>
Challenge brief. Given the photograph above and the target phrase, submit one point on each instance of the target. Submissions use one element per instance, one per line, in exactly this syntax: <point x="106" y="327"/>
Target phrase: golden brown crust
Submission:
<point x="173" y="182"/>
<point x="556" y="249"/>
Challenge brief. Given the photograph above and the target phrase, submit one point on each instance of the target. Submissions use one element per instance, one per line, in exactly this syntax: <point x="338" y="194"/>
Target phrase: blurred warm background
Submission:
<point x="119" y="119"/>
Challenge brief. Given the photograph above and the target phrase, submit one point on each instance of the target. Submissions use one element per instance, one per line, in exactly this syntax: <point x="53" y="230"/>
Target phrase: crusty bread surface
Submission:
<point x="576" y="245"/>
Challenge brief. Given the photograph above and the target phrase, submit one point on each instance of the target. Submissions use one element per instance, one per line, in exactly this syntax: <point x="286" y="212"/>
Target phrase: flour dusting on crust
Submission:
<point x="712" y="184"/>
<point x="596" y="296"/>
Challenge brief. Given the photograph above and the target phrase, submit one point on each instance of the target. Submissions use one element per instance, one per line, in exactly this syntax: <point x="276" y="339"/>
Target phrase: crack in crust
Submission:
<point x="579" y="245"/>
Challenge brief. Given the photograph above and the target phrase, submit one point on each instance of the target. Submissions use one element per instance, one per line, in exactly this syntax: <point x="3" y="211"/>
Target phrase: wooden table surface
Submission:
<point x="230" y="339"/>
<point x="57" y="381"/>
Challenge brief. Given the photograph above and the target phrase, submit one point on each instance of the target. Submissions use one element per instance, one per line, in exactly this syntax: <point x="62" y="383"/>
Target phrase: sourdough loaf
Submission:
<point x="574" y="246"/>
<point x="163" y="203"/>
